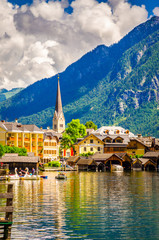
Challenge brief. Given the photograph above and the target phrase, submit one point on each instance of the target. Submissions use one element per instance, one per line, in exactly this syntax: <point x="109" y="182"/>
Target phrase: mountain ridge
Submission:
<point x="87" y="78"/>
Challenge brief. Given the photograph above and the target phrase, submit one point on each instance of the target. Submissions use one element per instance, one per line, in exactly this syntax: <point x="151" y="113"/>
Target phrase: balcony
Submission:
<point x="19" y="139"/>
<point x="34" y="148"/>
<point x="11" y="138"/>
<point x="40" y="140"/>
<point x="33" y="139"/>
<point x="26" y="139"/>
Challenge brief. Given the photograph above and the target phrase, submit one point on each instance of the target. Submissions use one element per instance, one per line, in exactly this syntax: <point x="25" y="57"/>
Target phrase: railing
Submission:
<point x="11" y="138"/>
<point x="26" y="139"/>
<point x="40" y="140"/>
<point x="7" y="210"/>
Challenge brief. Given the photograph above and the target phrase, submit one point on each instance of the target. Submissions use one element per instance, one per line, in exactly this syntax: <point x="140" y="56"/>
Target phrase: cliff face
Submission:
<point x="109" y="85"/>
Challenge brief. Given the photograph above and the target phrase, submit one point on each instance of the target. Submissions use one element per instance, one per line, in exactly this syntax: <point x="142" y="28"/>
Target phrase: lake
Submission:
<point x="88" y="205"/>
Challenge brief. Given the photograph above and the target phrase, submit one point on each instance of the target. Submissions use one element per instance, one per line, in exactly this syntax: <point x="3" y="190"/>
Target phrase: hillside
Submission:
<point x="115" y="85"/>
<point x="5" y="94"/>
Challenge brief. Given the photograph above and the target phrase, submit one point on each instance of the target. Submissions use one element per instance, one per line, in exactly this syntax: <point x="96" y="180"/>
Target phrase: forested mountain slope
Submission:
<point x="109" y="85"/>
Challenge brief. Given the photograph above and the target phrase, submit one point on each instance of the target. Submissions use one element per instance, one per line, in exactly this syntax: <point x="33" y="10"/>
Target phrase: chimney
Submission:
<point x="48" y="128"/>
<point x="3" y="121"/>
<point x="139" y="135"/>
<point x="16" y="120"/>
<point x="41" y="128"/>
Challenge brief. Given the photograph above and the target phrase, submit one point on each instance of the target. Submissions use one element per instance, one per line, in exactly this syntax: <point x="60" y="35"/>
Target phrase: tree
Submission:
<point x="1" y="150"/>
<point x="91" y="124"/>
<point x="74" y="130"/>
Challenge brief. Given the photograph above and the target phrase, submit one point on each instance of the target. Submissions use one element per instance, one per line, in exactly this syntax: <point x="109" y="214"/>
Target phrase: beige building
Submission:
<point x="51" y="146"/>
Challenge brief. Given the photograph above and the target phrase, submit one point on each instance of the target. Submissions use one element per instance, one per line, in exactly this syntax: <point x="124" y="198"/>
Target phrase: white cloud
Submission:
<point x="156" y="11"/>
<point x="40" y="40"/>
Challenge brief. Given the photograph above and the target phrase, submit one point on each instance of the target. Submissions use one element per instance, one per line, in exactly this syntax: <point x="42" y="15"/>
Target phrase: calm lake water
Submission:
<point x="88" y="206"/>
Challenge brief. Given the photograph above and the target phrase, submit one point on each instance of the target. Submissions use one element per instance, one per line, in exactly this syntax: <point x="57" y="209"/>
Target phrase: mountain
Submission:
<point x="109" y="85"/>
<point x="5" y="94"/>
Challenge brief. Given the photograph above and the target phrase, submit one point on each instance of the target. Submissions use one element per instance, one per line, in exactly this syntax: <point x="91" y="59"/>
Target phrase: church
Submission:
<point x="53" y="136"/>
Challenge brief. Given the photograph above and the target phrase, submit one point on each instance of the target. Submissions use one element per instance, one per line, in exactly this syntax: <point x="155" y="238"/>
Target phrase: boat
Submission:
<point x="116" y="168"/>
<point x="61" y="176"/>
<point x="44" y="177"/>
<point x="3" y="178"/>
<point x="27" y="176"/>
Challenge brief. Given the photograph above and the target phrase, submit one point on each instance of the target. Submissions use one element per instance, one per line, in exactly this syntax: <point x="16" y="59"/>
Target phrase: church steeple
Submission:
<point x="58" y="107"/>
<point x="58" y="119"/>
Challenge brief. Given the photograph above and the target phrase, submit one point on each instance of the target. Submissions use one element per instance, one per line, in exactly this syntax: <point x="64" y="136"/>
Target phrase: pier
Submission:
<point x="6" y="211"/>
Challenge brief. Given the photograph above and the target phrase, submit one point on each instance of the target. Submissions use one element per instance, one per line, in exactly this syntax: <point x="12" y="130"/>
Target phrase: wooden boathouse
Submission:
<point x="6" y="210"/>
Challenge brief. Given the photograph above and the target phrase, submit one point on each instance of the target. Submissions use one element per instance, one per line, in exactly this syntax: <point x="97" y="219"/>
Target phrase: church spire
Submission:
<point x="58" y="119"/>
<point x="58" y="107"/>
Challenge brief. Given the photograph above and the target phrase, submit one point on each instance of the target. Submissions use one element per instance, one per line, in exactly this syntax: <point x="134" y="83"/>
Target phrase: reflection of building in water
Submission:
<point x="39" y="204"/>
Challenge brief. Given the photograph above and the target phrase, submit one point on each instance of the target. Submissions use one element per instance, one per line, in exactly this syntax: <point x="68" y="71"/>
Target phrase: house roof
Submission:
<point x="113" y="130"/>
<point x="101" y="156"/>
<point x="148" y="141"/>
<point x="18" y="127"/>
<point x="151" y="154"/>
<point x="33" y="128"/>
<point x="53" y="133"/>
<point x="86" y="161"/>
<point x="136" y="139"/>
<point x="96" y="136"/>
<point x="73" y="159"/>
<point x="145" y="160"/>
<point x="20" y="159"/>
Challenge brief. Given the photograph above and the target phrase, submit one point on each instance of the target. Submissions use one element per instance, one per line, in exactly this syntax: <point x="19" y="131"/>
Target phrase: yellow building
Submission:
<point x="136" y="147"/>
<point x="91" y="144"/>
<point x="18" y="135"/>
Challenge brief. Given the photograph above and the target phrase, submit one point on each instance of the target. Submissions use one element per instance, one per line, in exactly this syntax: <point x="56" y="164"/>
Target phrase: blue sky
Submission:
<point x="150" y="4"/>
<point x="41" y="38"/>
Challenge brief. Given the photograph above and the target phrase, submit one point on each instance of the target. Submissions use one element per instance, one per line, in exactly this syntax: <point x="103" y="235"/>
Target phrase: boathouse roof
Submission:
<point x="151" y="155"/>
<point x="13" y="157"/>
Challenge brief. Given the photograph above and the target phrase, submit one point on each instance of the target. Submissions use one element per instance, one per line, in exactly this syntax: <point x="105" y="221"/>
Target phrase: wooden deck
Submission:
<point x="7" y="210"/>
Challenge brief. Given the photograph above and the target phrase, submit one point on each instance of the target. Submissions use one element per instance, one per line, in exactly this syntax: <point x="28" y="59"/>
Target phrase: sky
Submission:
<point x="39" y="38"/>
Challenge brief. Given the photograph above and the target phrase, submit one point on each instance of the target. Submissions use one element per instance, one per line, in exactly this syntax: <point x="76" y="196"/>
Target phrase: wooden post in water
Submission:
<point x="6" y="223"/>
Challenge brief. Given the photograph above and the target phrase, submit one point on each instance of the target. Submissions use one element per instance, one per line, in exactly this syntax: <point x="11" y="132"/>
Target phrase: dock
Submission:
<point x="6" y="211"/>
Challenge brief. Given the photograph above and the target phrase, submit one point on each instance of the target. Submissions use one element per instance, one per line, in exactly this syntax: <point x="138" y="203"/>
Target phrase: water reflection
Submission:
<point x="88" y="206"/>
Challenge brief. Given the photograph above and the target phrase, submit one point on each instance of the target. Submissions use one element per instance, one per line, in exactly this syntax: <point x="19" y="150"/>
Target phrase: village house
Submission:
<point x="91" y="143"/>
<point x="51" y="146"/>
<point x="21" y="135"/>
<point x="136" y="147"/>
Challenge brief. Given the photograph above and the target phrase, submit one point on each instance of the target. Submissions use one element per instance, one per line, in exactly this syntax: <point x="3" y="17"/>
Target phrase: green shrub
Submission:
<point x="54" y="164"/>
<point x="20" y="151"/>
<point x="86" y="154"/>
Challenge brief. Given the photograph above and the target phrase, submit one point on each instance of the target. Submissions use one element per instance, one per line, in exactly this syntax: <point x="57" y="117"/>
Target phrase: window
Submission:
<point x="53" y="144"/>
<point x="68" y="154"/>
<point x="91" y="141"/>
<point x="99" y="149"/>
<point x="108" y="140"/>
<point x="91" y="149"/>
<point x="61" y="125"/>
<point x="84" y="141"/>
<point x="119" y="140"/>
<point x="55" y="126"/>
<point x="85" y="149"/>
